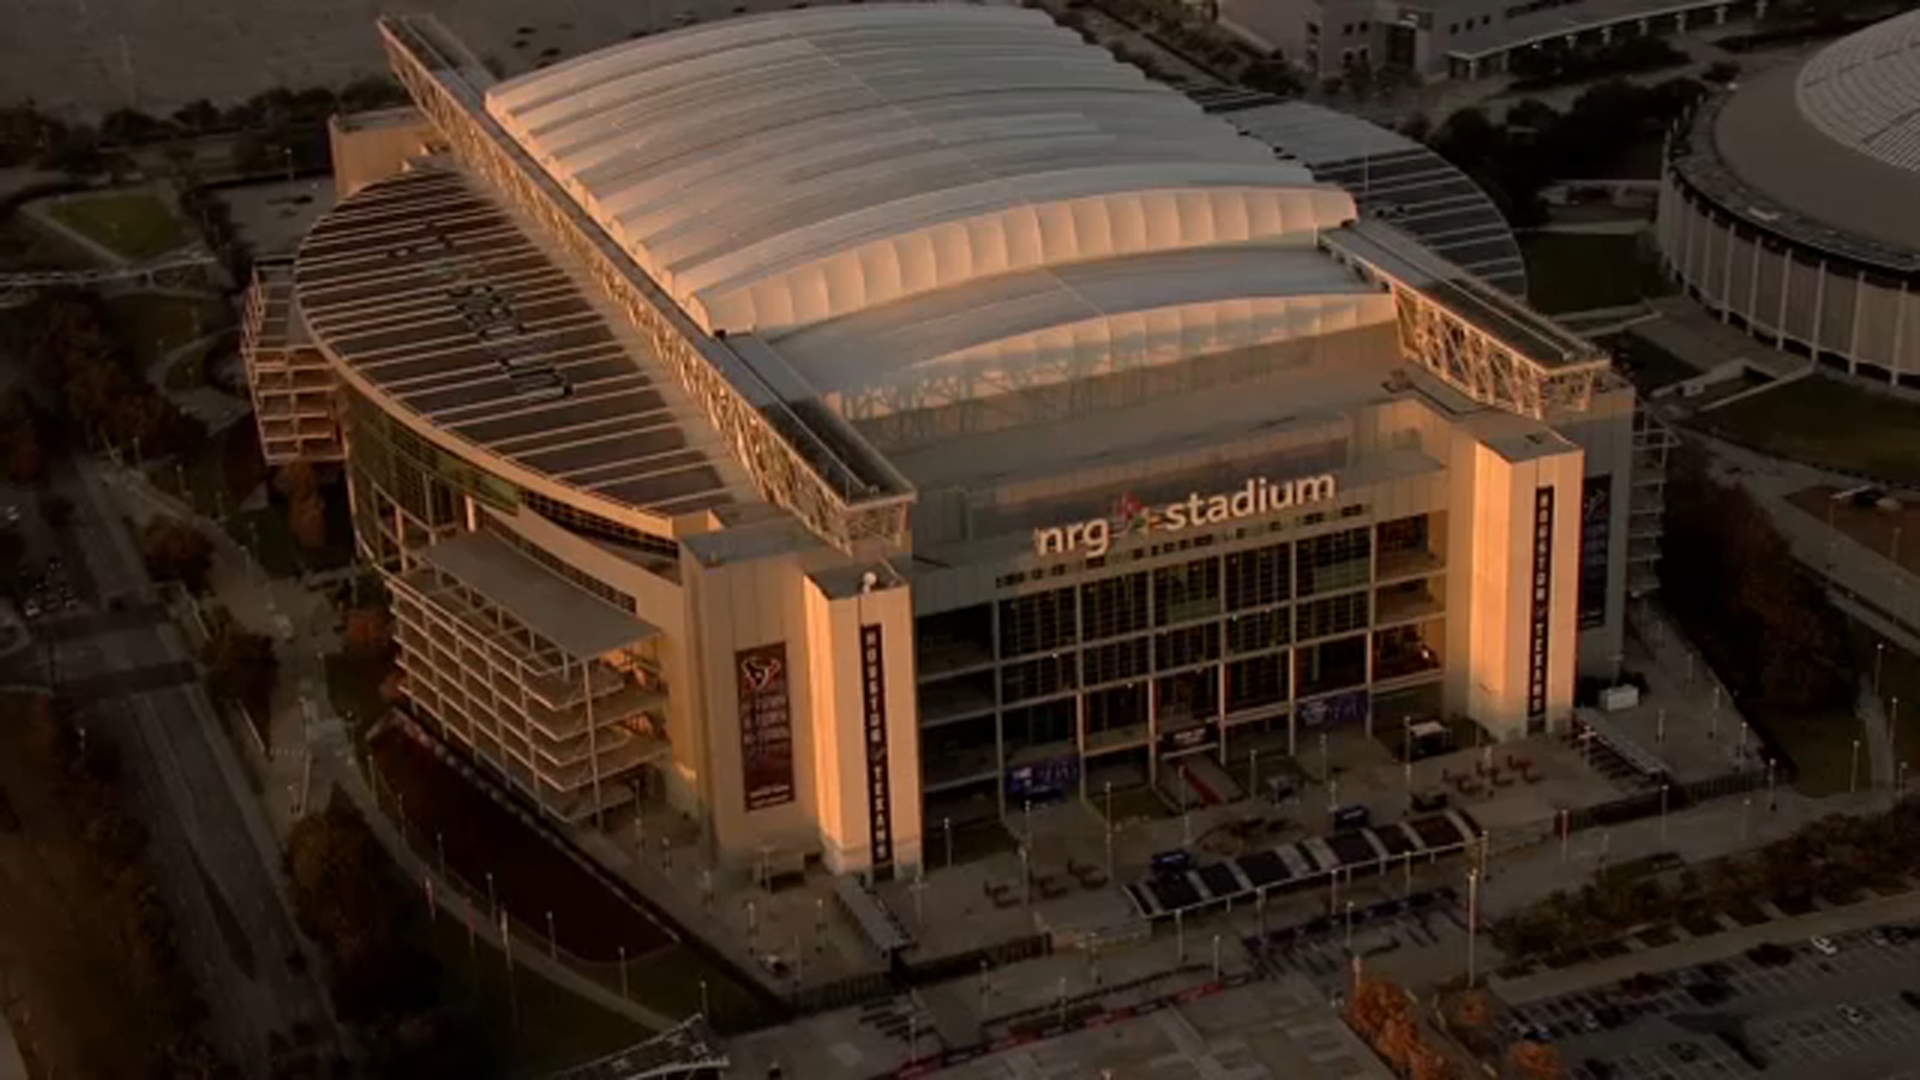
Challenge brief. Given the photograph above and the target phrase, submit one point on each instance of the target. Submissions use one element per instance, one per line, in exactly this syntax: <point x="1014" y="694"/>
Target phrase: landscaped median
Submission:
<point x="1655" y="901"/>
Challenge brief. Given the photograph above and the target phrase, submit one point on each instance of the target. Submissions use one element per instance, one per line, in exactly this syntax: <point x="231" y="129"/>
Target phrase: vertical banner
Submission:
<point x="766" y="725"/>
<point x="1596" y="535"/>
<point x="873" y="695"/>
<point x="1542" y="607"/>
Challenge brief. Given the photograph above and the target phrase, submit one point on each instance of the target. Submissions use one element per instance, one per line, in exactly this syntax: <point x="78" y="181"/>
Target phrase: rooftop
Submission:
<point x="573" y="619"/>
<point x="1555" y="22"/>
<point x="435" y="299"/>
<point x="779" y="170"/>
<point x="1863" y="91"/>
<point x="1084" y="320"/>
<point x="1756" y="154"/>
<point x="1391" y="177"/>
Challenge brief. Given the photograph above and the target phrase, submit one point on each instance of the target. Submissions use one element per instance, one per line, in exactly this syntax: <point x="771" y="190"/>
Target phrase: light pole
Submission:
<point x="1216" y="958"/>
<point x="1349" y="928"/>
<point x="1180" y="935"/>
<point x="703" y="997"/>
<point x="1900" y="778"/>
<point x="1186" y="817"/>
<point x="1879" y="654"/>
<point x="493" y="902"/>
<point x="1026" y="820"/>
<point x="1746" y="815"/>
<point x="946" y="832"/>
<point x="1713" y="718"/>
<point x="553" y="940"/>
<point x="1253" y="772"/>
<point x="1663" y="813"/>
<point x="1026" y="877"/>
<point x="623" y="973"/>
<point x="1772" y="802"/>
<point x="1853" y="769"/>
<point x="1473" y="920"/>
<point x="1326" y="769"/>
<point x="1660" y="728"/>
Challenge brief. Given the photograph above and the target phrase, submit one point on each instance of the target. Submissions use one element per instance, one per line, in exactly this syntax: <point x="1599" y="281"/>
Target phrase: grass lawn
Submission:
<point x="1824" y="422"/>
<point x="1822" y="746"/>
<point x="1899" y="678"/>
<point x="445" y="812"/>
<point x="533" y="1026"/>
<point x="1582" y="271"/>
<point x="154" y="325"/>
<point x="134" y="224"/>
<point x="26" y="244"/>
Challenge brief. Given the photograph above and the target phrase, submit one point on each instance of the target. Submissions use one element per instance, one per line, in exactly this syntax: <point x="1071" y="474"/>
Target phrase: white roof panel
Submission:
<point x="775" y="171"/>
<point x="1863" y="91"/>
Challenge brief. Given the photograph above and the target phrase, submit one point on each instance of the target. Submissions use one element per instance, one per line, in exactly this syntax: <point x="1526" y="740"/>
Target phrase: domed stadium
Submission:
<point x="1786" y="205"/>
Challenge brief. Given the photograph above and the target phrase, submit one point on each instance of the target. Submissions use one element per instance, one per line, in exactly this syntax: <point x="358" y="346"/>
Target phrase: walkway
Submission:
<point x="313" y="755"/>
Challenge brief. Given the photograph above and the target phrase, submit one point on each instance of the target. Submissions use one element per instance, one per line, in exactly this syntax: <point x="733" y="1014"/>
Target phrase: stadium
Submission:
<point x="1786" y="205"/>
<point x="842" y="422"/>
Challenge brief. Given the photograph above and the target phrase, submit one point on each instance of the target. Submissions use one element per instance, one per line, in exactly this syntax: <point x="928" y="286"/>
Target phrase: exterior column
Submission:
<point x="1680" y="21"/>
<point x="1606" y="34"/>
<point x="1720" y="15"/>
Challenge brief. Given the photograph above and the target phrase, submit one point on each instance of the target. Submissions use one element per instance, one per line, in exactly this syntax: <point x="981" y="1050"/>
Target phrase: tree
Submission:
<point x="1430" y="1064"/>
<point x="176" y="551"/>
<point x="368" y="633"/>
<point x="241" y="665"/>
<point x="1474" y="1010"/>
<point x="307" y="520"/>
<point x="1375" y="1002"/>
<point x="1536" y="1061"/>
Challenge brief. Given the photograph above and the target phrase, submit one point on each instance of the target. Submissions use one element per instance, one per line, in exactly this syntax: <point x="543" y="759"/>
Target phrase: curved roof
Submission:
<point x="433" y="301"/>
<point x="1017" y="331"/>
<point x="1391" y="177"/>
<point x="1769" y="153"/>
<point x="775" y="171"/>
<point x="1863" y="91"/>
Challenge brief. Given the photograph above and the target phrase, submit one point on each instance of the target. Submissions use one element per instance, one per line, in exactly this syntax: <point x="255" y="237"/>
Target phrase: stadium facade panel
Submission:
<point x="1065" y="438"/>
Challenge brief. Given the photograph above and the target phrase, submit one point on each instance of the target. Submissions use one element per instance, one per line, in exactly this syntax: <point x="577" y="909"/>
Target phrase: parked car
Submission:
<point x="1172" y="863"/>
<point x="1824" y="946"/>
<point x="1347" y="818"/>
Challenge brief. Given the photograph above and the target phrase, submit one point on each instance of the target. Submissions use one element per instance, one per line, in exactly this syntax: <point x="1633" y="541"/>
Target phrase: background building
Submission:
<point x="843" y="419"/>
<point x="1786" y="205"/>
<point x="1460" y="39"/>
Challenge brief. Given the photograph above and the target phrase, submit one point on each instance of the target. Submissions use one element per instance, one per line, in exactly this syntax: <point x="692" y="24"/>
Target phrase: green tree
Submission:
<point x="176" y="551"/>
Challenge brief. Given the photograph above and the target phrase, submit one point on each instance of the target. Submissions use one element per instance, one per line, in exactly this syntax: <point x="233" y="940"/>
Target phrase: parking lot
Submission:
<point x="1794" y="1010"/>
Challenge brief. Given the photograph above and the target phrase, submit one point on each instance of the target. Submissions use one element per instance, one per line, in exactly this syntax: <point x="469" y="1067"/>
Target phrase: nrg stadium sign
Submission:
<point x="1257" y="496"/>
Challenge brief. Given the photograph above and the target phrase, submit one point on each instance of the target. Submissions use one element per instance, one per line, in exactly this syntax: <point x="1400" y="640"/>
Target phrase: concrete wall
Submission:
<point x="373" y="146"/>
<point x="1797" y="300"/>
<point x="1490" y="585"/>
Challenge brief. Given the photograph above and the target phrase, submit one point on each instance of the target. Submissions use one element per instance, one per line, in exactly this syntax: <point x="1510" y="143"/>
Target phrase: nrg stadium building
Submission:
<point x="839" y="421"/>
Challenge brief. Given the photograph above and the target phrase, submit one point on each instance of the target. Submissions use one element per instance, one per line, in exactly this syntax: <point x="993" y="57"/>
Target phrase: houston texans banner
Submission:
<point x="766" y="725"/>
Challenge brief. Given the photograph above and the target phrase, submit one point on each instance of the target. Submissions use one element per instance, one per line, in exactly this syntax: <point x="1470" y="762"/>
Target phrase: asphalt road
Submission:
<point x="1791" y="1015"/>
<point x="215" y="855"/>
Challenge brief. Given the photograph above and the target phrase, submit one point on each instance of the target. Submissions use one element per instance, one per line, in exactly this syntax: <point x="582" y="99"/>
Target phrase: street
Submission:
<point x="216" y="860"/>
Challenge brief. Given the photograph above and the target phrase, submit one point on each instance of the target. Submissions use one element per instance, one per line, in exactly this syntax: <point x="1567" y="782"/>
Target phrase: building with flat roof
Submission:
<point x="1459" y="39"/>
<point x="845" y="419"/>
<point x="1784" y="205"/>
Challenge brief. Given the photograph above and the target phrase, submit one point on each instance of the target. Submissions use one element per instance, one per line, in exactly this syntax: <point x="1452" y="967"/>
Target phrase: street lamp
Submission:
<point x="1879" y="654"/>
<point x="1663" y="813"/>
<point x="1473" y="919"/>
<point x="1349" y="928"/>
<point x="946" y="830"/>
<point x="1853" y="769"/>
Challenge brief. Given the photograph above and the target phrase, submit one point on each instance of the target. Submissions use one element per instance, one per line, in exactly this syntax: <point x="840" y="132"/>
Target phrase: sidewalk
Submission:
<point x="1719" y="946"/>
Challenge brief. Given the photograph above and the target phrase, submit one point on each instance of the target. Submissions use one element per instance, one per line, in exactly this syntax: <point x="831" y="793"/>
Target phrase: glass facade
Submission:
<point x="1112" y="662"/>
